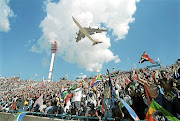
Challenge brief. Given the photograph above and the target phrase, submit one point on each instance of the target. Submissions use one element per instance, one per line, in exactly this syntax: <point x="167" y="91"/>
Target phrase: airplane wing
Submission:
<point x="79" y="36"/>
<point x="93" y="30"/>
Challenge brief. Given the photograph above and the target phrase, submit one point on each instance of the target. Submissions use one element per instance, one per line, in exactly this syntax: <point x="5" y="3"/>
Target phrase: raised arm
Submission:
<point x="141" y="80"/>
<point x="155" y="79"/>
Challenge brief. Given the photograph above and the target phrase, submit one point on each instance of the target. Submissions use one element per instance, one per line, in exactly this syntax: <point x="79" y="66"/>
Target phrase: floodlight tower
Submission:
<point x="53" y="51"/>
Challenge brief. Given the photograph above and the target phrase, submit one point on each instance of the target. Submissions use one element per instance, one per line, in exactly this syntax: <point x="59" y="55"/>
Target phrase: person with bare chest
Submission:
<point x="152" y="89"/>
<point x="167" y="84"/>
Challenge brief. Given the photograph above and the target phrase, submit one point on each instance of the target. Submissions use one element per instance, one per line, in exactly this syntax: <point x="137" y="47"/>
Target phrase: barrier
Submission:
<point x="37" y="116"/>
<point x="9" y="117"/>
<point x="67" y="117"/>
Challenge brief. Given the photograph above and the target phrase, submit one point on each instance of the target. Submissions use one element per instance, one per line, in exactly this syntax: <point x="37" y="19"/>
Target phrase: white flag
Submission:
<point x="158" y="59"/>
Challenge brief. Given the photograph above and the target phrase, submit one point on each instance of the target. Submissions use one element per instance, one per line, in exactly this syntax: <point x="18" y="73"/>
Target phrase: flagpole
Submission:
<point x="138" y="65"/>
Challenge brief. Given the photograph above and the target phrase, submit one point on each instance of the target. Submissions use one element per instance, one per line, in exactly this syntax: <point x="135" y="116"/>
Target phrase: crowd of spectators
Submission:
<point x="84" y="98"/>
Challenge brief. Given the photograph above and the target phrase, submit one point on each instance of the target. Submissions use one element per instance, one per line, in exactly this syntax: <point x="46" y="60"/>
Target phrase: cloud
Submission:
<point x="29" y="41"/>
<point x="59" y="26"/>
<point x="5" y="13"/>
<point x="34" y="48"/>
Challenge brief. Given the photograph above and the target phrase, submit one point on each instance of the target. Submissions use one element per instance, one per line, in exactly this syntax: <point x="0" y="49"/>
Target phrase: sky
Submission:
<point x="27" y="29"/>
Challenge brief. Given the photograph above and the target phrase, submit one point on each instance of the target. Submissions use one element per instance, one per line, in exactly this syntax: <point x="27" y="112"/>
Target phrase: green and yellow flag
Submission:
<point x="157" y="111"/>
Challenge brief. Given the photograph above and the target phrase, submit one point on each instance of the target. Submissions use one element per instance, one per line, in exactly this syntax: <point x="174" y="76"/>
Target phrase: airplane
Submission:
<point x="83" y="31"/>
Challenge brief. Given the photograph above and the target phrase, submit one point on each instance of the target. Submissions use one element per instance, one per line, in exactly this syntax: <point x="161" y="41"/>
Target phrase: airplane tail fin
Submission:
<point x="97" y="42"/>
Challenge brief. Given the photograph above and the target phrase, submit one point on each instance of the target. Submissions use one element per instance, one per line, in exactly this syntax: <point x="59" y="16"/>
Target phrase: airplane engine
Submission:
<point x="91" y="33"/>
<point x="83" y="36"/>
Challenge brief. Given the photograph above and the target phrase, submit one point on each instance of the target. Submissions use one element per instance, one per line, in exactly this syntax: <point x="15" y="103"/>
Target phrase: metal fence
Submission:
<point x="67" y="117"/>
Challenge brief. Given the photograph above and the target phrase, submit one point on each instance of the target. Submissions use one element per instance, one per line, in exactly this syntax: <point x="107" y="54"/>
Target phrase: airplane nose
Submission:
<point x="73" y="19"/>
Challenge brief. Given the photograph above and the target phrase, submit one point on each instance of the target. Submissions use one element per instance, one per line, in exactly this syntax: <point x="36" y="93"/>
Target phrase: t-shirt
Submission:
<point x="26" y="103"/>
<point x="77" y="94"/>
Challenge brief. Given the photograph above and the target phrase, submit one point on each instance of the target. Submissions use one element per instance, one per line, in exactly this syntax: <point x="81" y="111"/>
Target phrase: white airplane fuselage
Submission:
<point x="83" y="30"/>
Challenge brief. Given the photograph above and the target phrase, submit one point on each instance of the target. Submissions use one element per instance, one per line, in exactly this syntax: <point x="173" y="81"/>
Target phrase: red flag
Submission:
<point x="123" y="84"/>
<point x="135" y="77"/>
<point x="103" y="108"/>
<point x="127" y="81"/>
<point x="145" y="57"/>
<point x="147" y="94"/>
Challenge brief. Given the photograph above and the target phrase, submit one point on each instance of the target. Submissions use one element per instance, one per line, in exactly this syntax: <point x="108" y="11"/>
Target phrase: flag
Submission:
<point x="30" y="89"/>
<point x="19" y="116"/>
<point x="27" y="90"/>
<point x="123" y="84"/>
<point x="146" y="57"/>
<point x="155" y="109"/>
<point x="120" y="104"/>
<point x="96" y="80"/>
<point x="103" y="108"/>
<point x="127" y="80"/>
<point x="158" y="59"/>
<point x="73" y="87"/>
<point x="130" y="110"/>
<point x="147" y="95"/>
<point x="39" y="101"/>
<point x="66" y="96"/>
<point x="97" y="70"/>
<point x="135" y="77"/>
<point x="114" y="73"/>
<point x="23" y="92"/>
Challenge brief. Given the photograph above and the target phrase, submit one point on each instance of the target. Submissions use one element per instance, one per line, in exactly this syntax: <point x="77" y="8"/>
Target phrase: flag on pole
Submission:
<point x="127" y="80"/>
<point x="120" y="104"/>
<point x="73" y="87"/>
<point x="146" y="57"/>
<point x="66" y="96"/>
<point x="19" y="116"/>
<point x="97" y="70"/>
<point x="135" y="76"/>
<point x="130" y="110"/>
<point x="96" y="80"/>
<point x="114" y="73"/>
<point x="155" y="110"/>
<point x="30" y="89"/>
<point x="158" y="59"/>
<point x="103" y="108"/>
